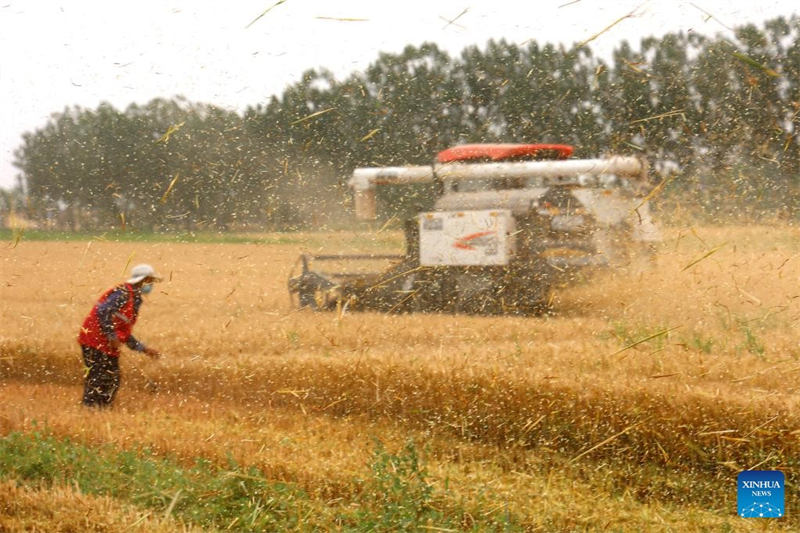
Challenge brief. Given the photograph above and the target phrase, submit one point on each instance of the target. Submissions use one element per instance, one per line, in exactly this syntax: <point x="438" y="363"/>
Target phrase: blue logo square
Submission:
<point x="760" y="493"/>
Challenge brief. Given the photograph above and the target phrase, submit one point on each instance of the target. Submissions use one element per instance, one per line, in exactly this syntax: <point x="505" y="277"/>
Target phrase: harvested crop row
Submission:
<point x="329" y="458"/>
<point x="677" y="424"/>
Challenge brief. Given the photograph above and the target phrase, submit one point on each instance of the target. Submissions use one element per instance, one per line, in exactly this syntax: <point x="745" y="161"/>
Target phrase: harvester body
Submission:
<point x="506" y="230"/>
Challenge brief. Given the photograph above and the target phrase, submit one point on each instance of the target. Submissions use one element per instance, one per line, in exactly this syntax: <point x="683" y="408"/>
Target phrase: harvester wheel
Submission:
<point x="308" y="298"/>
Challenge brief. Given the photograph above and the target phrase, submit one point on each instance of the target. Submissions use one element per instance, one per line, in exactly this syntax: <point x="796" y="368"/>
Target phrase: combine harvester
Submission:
<point x="512" y="222"/>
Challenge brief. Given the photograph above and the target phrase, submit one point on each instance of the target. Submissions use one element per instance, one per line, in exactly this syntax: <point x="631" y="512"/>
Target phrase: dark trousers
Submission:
<point x="102" y="377"/>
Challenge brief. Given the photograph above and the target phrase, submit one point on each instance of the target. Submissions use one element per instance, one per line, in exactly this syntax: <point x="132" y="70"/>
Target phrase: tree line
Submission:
<point x="717" y="118"/>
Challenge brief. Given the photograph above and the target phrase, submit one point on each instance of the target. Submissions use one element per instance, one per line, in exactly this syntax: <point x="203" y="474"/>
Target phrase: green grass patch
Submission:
<point x="16" y="236"/>
<point x="386" y="241"/>
<point x="398" y="496"/>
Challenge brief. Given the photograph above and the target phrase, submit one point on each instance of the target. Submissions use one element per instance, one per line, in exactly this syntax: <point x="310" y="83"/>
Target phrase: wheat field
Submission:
<point x="633" y="406"/>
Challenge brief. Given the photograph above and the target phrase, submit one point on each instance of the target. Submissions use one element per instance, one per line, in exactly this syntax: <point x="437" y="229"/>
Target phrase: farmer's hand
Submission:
<point x="115" y="344"/>
<point x="152" y="352"/>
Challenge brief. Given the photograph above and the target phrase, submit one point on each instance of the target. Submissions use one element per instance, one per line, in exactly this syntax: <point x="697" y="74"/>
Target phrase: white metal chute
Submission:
<point x="622" y="166"/>
<point x="364" y="180"/>
<point x="367" y="178"/>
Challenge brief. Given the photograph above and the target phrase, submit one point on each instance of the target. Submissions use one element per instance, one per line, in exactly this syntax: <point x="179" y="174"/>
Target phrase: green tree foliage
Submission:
<point x="723" y="113"/>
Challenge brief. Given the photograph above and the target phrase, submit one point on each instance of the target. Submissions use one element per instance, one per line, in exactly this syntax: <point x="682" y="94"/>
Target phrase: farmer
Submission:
<point x="107" y="327"/>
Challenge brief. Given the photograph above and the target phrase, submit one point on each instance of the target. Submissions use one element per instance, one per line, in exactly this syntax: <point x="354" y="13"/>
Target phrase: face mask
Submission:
<point x="147" y="288"/>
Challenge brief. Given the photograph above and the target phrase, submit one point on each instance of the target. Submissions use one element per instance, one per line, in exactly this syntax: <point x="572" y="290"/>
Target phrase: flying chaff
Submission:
<point x="753" y="63"/>
<point x="369" y="135"/>
<point x="704" y="256"/>
<point x="127" y="263"/>
<point x="451" y="22"/>
<point x="648" y="338"/>
<point x="312" y="115"/>
<point x="270" y="8"/>
<point x="710" y="16"/>
<point x="600" y="444"/>
<point x="169" y="188"/>
<point x="657" y="189"/>
<point x="343" y="19"/>
<point x="607" y="28"/>
<point x="172" y="129"/>
<point x="674" y="112"/>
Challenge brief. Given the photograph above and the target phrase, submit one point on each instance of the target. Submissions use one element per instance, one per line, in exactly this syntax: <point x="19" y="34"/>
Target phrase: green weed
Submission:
<point x="751" y="342"/>
<point x="397" y="497"/>
<point x="703" y="344"/>
<point x="632" y="336"/>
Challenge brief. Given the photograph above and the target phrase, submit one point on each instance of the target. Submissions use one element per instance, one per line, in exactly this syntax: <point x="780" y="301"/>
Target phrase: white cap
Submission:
<point x="140" y="272"/>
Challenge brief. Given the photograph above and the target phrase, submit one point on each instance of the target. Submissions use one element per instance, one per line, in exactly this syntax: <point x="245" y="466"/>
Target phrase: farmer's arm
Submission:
<point x="135" y="344"/>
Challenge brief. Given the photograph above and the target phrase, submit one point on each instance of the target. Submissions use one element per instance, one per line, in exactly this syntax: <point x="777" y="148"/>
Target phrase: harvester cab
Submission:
<point x="513" y="221"/>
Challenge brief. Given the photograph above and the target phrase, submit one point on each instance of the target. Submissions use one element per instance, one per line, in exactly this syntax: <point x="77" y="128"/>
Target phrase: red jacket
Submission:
<point x="92" y="334"/>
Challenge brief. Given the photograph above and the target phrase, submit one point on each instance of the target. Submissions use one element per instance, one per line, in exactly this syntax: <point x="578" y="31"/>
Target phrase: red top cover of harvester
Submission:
<point x="499" y="152"/>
